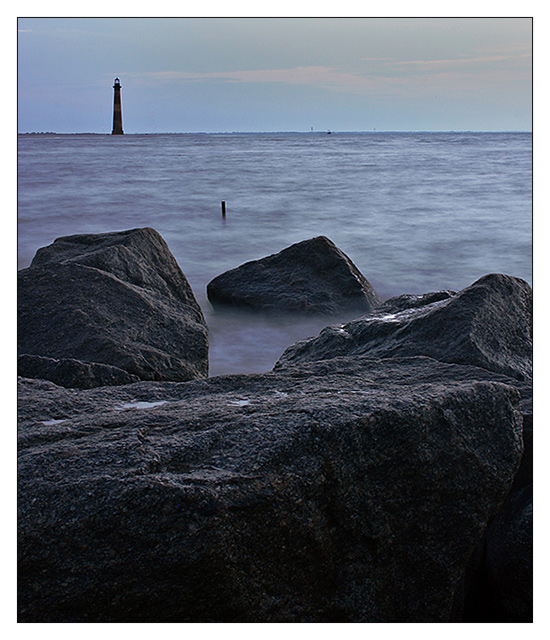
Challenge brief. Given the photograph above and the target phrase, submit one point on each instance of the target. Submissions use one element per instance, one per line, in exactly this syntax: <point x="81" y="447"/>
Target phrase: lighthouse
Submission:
<point x="117" y="110"/>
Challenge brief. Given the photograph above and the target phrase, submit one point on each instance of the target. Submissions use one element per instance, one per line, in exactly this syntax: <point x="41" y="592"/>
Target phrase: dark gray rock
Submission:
<point x="118" y="299"/>
<point x="350" y="490"/>
<point x="482" y="597"/>
<point x="310" y="277"/>
<point x="524" y="476"/>
<point x="72" y="373"/>
<point x="488" y="324"/>
<point x="510" y="557"/>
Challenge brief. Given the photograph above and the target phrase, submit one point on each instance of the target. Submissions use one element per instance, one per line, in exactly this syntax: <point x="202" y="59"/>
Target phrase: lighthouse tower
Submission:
<point x="117" y="110"/>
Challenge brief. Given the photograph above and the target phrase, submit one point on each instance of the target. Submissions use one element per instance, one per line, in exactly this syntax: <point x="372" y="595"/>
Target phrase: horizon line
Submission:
<point x="319" y="131"/>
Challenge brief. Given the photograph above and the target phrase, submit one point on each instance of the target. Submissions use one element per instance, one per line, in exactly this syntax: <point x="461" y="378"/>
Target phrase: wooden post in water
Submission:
<point x="223" y="209"/>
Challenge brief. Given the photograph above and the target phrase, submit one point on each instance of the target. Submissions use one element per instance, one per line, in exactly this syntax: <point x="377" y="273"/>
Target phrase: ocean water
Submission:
<point x="416" y="212"/>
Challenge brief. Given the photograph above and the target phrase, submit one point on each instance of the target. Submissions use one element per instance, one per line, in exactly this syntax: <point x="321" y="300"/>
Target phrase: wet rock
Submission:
<point x="346" y="490"/>
<point x="311" y="277"/>
<point x="488" y="324"/>
<point x="116" y="299"/>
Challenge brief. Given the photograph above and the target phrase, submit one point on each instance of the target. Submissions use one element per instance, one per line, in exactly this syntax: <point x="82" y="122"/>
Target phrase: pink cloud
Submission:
<point x="390" y="77"/>
<point x="453" y="63"/>
<point x="315" y="76"/>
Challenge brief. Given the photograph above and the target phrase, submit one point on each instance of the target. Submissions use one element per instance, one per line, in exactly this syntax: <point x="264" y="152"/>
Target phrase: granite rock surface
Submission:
<point x="354" y="490"/>
<point x="116" y="299"/>
<point x="309" y="277"/>
<point x="489" y="324"/>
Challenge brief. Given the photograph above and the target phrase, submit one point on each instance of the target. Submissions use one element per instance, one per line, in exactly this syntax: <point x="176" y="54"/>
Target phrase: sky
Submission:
<point x="275" y="74"/>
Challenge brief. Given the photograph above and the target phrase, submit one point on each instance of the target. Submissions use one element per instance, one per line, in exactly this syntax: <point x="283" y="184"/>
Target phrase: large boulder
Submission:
<point x="488" y="324"/>
<point x="351" y="490"/>
<point x="113" y="299"/>
<point x="310" y="277"/>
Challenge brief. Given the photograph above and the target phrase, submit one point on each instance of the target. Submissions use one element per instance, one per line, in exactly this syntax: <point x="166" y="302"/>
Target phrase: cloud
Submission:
<point x="314" y="76"/>
<point x="384" y="77"/>
<point x="449" y="62"/>
<point x="454" y="63"/>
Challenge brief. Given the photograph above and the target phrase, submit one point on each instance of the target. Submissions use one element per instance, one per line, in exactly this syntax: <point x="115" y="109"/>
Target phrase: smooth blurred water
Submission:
<point x="416" y="212"/>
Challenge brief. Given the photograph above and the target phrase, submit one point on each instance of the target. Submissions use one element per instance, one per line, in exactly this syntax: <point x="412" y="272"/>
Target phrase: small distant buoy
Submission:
<point x="223" y="209"/>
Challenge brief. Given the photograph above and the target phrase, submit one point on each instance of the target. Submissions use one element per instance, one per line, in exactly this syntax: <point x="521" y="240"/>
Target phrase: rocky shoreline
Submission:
<point x="381" y="472"/>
